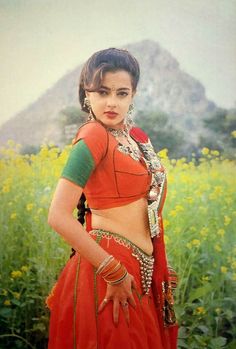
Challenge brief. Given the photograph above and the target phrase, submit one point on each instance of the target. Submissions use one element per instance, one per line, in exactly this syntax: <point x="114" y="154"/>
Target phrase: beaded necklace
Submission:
<point x="130" y="148"/>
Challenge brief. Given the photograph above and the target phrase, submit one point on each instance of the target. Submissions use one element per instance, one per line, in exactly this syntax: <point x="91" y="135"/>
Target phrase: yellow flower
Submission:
<point x="215" y="152"/>
<point x="179" y="208"/>
<point x="233" y="133"/>
<point x="217" y="248"/>
<point x="163" y="153"/>
<point x="221" y="232"/>
<point x="200" y="310"/>
<point x="13" y="215"/>
<point x="6" y="188"/>
<point x="205" y="278"/>
<point x="189" y="245"/>
<point x="204" y="231"/>
<point x="24" y="268"/>
<point x="195" y="242"/>
<point x="227" y="220"/>
<point x="173" y="213"/>
<point x="166" y="223"/>
<point x="29" y="206"/>
<point x="205" y="151"/>
<point x="218" y="311"/>
<point x="7" y="302"/>
<point x="3" y="292"/>
<point x="223" y="269"/>
<point x="16" y="274"/>
<point x="189" y="199"/>
<point x="16" y="295"/>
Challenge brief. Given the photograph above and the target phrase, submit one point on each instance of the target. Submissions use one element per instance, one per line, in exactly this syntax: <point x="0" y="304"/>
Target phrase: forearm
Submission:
<point x="73" y="233"/>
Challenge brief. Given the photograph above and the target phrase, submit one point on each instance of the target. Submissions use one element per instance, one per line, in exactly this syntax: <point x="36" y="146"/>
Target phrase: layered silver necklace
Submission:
<point x="128" y="149"/>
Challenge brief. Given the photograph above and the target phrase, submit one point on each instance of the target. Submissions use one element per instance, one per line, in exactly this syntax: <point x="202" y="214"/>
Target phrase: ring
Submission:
<point x="105" y="300"/>
<point x="125" y="304"/>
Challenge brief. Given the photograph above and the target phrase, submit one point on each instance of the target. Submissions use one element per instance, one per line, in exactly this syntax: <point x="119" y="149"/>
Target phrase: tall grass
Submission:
<point x="199" y="219"/>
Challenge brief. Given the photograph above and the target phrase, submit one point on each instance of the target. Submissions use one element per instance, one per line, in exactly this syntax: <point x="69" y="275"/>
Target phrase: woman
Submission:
<point x="115" y="291"/>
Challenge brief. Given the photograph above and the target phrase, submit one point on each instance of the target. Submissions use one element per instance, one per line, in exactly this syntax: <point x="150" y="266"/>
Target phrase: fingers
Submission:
<point x="132" y="301"/>
<point x="134" y="284"/>
<point x="116" y="308"/>
<point x="103" y="304"/>
<point x="125" y="307"/>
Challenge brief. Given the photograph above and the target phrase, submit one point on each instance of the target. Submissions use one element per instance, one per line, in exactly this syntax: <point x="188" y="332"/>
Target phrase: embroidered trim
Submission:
<point x="146" y="261"/>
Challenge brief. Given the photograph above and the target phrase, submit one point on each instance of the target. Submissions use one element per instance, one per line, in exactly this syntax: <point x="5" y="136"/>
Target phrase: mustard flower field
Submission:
<point x="199" y="220"/>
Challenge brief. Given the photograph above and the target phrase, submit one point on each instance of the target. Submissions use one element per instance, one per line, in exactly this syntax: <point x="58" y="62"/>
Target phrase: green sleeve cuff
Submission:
<point x="80" y="164"/>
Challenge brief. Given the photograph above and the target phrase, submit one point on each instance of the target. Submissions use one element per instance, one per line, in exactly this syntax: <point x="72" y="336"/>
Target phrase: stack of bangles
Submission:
<point x="112" y="271"/>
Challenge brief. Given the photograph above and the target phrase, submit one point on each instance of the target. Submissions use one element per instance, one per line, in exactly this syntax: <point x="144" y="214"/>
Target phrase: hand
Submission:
<point x="121" y="295"/>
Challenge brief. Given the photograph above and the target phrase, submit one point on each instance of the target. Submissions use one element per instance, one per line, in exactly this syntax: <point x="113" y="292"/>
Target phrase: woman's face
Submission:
<point x="111" y="102"/>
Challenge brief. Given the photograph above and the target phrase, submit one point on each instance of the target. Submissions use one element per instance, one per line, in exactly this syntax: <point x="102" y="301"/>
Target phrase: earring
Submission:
<point x="129" y="119"/>
<point x="88" y="105"/>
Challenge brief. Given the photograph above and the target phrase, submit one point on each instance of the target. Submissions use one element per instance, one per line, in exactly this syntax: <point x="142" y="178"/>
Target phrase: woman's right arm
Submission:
<point x="60" y="218"/>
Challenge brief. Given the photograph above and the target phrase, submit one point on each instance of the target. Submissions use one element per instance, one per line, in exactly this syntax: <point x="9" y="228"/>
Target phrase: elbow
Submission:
<point x="52" y="219"/>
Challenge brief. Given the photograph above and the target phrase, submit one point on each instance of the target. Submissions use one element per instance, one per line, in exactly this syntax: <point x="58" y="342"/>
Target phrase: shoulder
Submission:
<point x="91" y="130"/>
<point x="95" y="136"/>
<point x="139" y="135"/>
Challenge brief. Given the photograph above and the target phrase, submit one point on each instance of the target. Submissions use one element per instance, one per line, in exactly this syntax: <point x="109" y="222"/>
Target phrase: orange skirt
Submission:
<point x="75" y="322"/>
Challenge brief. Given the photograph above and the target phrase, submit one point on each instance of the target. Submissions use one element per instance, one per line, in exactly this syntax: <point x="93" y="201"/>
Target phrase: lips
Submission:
<point x="110" y="113"/>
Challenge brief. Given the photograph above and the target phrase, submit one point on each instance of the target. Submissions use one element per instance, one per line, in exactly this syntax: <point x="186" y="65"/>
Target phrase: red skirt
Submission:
<point x="75" y="322"/>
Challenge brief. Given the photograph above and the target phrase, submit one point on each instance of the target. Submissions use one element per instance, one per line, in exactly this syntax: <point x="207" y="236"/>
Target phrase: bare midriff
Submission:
<point x="130" y="221"/>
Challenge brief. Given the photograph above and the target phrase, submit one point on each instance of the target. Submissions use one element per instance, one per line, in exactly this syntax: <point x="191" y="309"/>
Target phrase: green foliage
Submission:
<point x="161" y="132"/>
<point x="70" y="115"/>
<point x="199" y="220"/>
<point x="222" y="124"/>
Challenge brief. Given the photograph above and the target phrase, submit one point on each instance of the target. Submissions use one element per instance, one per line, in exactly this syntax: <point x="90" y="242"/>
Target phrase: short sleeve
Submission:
<point x="89" y="147"/>
<point x="95" y="137"/>
<point x="79" y="165"/>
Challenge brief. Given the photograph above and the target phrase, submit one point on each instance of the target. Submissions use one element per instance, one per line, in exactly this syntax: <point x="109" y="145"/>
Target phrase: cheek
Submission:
<point x="97" y="103"/>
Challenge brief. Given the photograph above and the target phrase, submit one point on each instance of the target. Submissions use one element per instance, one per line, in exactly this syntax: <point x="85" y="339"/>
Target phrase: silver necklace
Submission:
<point x="130" y="148"/>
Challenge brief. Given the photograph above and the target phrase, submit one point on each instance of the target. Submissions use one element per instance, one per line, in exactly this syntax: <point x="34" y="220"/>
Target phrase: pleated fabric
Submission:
<point x="75" y="322"/>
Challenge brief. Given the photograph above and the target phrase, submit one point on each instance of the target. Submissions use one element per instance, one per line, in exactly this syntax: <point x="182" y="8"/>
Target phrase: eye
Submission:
<point x="102" y="92"/>
<point x="123" y="94"/>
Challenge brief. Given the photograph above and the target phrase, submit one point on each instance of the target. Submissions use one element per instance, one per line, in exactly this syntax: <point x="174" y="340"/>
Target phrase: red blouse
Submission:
<point x="117" y="178"/>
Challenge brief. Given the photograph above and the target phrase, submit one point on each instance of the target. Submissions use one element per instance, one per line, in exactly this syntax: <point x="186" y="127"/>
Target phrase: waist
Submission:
<point x="145" y="261"/>
<point x="130" y="221"/>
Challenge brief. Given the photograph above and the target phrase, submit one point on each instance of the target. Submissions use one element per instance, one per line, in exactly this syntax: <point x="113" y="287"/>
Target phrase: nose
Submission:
<point x="112" y="101"/>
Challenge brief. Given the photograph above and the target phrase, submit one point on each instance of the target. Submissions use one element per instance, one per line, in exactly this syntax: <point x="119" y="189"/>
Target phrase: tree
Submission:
<point x="161" y="132"/>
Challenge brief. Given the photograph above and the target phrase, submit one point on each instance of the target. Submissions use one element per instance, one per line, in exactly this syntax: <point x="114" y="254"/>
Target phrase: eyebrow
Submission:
<point x="119" y="89"/>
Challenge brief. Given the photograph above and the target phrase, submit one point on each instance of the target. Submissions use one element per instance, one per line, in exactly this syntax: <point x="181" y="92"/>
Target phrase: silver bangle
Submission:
<point x="104" y="263"/>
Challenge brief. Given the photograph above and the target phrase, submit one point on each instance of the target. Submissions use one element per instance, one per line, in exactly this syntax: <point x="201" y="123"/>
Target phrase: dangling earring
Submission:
<point x="88" y="105"/>
<point x="129" y="119"/>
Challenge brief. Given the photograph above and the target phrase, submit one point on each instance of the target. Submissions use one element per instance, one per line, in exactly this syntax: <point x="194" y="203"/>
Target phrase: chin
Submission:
<point x="113" y="123"/>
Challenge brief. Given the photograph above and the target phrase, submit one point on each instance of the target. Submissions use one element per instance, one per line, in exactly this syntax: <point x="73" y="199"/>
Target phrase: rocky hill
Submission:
<point x="163" y="86"/>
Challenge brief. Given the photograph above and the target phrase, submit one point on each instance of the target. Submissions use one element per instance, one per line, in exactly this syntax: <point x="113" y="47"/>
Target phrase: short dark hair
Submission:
<point x="108" y="60"/>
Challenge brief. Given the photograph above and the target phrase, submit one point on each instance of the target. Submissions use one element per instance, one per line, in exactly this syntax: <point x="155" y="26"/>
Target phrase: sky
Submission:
<point x="41" y="40"/>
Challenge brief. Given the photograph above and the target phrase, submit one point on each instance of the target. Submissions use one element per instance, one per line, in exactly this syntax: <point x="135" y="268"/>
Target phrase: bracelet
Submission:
<point x="104" y="264"/>
<point x="118" y="281"/>
<point x="117" y="275"/>
<point x="112" y="270"/>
